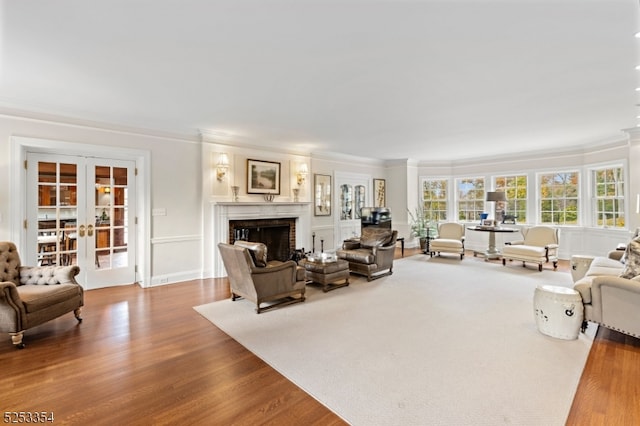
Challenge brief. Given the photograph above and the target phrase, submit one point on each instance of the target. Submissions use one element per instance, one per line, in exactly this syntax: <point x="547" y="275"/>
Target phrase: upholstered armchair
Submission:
<point x="540" y="245"/>
<point x="253" y="278"/>
<point x="30" y="296"/>
<point x="450" y="239"/>
<point x="372" y="254"/>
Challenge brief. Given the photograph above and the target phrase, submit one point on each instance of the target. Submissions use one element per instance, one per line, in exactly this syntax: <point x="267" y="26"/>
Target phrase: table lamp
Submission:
<point x="496" y="196"/>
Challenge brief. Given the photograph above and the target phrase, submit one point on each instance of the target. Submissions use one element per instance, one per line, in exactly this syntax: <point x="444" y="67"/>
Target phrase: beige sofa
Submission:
<point x="253" y="278"/>
<point x="609" y="300"/>
<point x="30" y="296"/>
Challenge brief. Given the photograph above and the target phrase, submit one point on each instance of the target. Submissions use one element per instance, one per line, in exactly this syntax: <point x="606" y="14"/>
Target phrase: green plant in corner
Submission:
<point x="421" y="227"/>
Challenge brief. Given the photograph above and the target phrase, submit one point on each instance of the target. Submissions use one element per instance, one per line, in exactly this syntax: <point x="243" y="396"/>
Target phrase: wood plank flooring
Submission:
<point x="144" y="356"/>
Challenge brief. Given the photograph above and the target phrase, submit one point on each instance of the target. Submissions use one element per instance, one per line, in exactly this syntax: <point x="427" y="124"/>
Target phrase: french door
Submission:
<point x="80" y="211"/>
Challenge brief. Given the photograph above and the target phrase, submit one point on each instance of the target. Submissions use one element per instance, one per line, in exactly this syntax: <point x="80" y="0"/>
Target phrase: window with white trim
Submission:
<point x="435" y="199"/>
<point x="608" y="197"/>
<point x="559" y="198"/>
<point x="470" y="198"/>
<point x="515" y="189"/>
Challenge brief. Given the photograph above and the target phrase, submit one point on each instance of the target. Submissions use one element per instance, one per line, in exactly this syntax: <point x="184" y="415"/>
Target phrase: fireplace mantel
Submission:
<point x="225" y="211"/>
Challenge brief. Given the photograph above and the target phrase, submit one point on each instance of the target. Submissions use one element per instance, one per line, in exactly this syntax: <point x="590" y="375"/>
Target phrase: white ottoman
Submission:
<point x="579" y="266"/>
<point x="558" y="311"/>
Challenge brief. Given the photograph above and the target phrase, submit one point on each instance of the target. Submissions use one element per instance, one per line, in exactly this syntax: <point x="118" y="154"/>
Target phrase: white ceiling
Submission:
<point x="388" y="79"/>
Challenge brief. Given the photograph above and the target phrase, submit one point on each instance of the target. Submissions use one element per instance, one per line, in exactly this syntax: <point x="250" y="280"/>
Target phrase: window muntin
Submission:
<point x="515" y="189"/>
<point x="559" y="201"/>
<point x="608" y="197"/>
<point x="470" y="198"/>
<point x="435" y="199"/>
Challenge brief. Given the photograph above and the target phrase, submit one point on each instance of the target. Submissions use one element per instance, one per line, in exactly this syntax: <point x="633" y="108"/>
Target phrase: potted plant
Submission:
<point x="421" y="227"/>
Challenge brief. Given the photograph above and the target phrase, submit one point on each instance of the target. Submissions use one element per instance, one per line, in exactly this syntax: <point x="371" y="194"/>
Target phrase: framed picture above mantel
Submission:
<point x="263" y="177"/>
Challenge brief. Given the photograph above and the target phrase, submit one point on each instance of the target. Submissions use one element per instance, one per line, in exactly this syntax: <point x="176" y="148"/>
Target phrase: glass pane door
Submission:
<point x="57" y="213"/>
<point x="111" y="215"/>
<point x="83" y="215"/>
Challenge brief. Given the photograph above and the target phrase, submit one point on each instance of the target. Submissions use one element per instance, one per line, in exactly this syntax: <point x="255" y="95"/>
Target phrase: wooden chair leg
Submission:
<point x="16" y="339"/>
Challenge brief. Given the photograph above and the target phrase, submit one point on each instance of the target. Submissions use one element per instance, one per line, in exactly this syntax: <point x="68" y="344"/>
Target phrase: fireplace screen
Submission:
<point x="277" y="234"/>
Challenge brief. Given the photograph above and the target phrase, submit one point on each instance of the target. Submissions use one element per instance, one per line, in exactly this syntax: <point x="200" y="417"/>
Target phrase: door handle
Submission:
<point x="81" y="230"/>
<point x="90" y="231"/>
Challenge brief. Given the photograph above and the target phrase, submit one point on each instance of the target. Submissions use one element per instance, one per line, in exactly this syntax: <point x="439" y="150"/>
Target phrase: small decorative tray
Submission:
<point x="322" y="257"/>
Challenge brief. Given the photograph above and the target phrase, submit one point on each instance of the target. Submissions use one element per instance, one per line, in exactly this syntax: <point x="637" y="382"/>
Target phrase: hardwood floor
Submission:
<point x="144" y="356"/>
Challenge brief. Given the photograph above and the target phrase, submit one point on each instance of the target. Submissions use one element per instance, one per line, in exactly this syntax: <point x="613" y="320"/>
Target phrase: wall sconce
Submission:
<point x="302" y="173"/>
<point x="222" y="167"/>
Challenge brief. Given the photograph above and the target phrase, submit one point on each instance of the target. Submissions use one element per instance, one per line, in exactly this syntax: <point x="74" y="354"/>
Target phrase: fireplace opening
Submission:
<point x="277" y="234"/>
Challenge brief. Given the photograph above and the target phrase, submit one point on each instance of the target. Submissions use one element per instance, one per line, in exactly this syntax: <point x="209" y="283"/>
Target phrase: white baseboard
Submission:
<point x="175" y="278"/>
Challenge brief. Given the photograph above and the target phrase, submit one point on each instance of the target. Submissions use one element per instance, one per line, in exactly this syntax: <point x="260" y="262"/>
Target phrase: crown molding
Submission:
<point x="59" y="120"/>
<point x="528" y="156"/>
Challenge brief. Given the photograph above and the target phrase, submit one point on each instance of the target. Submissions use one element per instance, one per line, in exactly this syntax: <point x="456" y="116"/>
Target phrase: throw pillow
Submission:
<point x="258" y="251"/>
<point x="632" y="259"/>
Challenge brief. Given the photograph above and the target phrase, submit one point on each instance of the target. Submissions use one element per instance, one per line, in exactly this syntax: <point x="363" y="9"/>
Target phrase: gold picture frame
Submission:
<point x="379" y="193"/>
<point x="321" y="195"/>
<point x="263" y="177"/>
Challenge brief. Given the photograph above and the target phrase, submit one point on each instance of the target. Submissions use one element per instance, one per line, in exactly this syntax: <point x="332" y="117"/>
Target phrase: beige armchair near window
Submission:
<point x="30" y="296"/>
<point x="540" y="245"/>
<point x="450" y="239"/>
<point x="255" y="279"/>
<point x="372" y="254"/>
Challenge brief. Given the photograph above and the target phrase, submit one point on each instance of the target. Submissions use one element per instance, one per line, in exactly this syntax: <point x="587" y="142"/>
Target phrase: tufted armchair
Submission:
<point x="540" y="245"/>
<point x="372" y="254"/>
<point x="30" y="296"/>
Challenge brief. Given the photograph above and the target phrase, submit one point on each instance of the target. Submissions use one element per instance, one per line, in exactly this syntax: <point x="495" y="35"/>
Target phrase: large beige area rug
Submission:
<point x="440" y="342"/>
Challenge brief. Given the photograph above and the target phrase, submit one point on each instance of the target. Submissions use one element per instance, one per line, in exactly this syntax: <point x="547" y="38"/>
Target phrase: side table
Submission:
<point x="558" y="311"/>
<point x="326" y="272"/>
<point x="492" y="252"/>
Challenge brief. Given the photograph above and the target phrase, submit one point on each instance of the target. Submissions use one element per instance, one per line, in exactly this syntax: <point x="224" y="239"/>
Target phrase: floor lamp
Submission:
<point x="496" y="197"/>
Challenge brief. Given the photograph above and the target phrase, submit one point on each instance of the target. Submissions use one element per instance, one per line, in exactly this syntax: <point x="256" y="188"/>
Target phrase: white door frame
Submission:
<point x="18" y="174"/>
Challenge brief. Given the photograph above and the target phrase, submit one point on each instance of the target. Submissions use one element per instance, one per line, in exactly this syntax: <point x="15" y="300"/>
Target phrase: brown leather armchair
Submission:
<point x="30" y="296"/>
<point x="372" y="254"/>
<point x="255" y="279"/>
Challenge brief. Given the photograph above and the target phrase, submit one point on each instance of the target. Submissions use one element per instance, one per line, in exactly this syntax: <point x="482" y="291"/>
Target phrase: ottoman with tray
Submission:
<point x="327" y="270"/>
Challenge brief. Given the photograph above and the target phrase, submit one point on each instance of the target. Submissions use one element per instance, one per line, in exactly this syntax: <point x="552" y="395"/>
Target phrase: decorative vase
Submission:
<point x="234" y="191"/>
<point x="296" y="192"/>
<point x="269" y="197"/>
